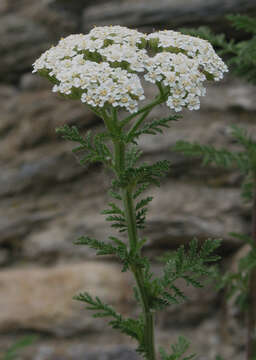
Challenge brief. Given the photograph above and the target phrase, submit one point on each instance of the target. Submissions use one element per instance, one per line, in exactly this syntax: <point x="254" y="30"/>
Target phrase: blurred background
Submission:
<point x="48" y="199"/>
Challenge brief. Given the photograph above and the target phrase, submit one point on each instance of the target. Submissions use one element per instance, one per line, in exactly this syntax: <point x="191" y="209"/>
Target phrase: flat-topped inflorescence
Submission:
<point x="104" y="68"/>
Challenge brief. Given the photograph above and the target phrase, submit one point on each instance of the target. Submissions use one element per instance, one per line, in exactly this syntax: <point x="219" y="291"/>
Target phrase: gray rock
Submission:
<point x="39" y="174"/>
<point x="29" y="120"/>
<point x="7" y="92"/>
<point x="178" y="213"/>
<point x="234" y="95"/>
<point x="30" y="82"/>
<point x="121" y="353"/>
<point x="204" y="214"/>
<point x="73" y="6"/>
<point x="27" y="29"/>
<point x="145" y="14"/>
<point x="4" y="256"/>
<point x="40" y="299"/>
<point x="22" y="41"/>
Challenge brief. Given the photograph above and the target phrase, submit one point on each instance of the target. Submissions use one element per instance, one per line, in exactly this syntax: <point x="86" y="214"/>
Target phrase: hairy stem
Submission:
<point x="251" y="344"/>
<point x="130" y="215"/>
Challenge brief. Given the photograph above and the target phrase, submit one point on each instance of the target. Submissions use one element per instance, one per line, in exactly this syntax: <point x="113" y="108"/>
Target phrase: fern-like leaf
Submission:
<point x="141" y="188"/>
<point x="95" y="147"/>
<point x="132" y="156"/>
<point x="144" y="174"/>
<point x="154" y="127"/>
<point x="188" y="265"/>
<point x="144" y="202"/>
<point x="178" y="350"/>
<point x="14" y="349"/>
<point x="103" y="248"/>
<point x="131" y="327"/>
<point x="113" y="209"/>
<point x="209" y="154"/>
<point x="243" y="22"/>
<point x="217" y="40"/>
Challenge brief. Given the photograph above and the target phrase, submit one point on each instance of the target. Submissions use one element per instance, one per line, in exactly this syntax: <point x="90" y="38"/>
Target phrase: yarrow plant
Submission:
<point x="106" y="70"/>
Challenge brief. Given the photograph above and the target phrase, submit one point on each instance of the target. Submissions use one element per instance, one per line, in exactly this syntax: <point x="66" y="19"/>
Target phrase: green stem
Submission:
<point x="130" y="215"/>
<point x="160" y="87"/>
<point x="119" y="149"/>
<point x="150" y="106"/>
<point x="137" y="124"/>
<point x="149" y="336"/>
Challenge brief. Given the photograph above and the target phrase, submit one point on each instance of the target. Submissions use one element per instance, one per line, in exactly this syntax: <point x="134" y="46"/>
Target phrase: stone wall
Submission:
<point x="48" y="200"/>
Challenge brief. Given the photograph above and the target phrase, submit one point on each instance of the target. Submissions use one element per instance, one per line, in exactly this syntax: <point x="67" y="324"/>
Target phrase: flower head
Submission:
<point x="103" y="68"/>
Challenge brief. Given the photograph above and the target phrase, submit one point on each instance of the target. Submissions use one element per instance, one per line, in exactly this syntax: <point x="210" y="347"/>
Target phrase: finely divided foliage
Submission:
<point x="236" y="283"/>
<point x="104" y="69"/>
<point x="244" y="160"/>
<point x="13" y="351"/>
<point x="239" y="284"/>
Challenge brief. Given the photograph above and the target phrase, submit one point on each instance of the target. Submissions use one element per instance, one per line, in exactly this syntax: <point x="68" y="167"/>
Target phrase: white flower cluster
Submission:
<point x="131" y="55"/>
<point x="100" y="67"/>
<point x="98" y="83"/>
<point x="201" y="51"/>
<point x="117" y="35"/>
<point x="182" y="77"/>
